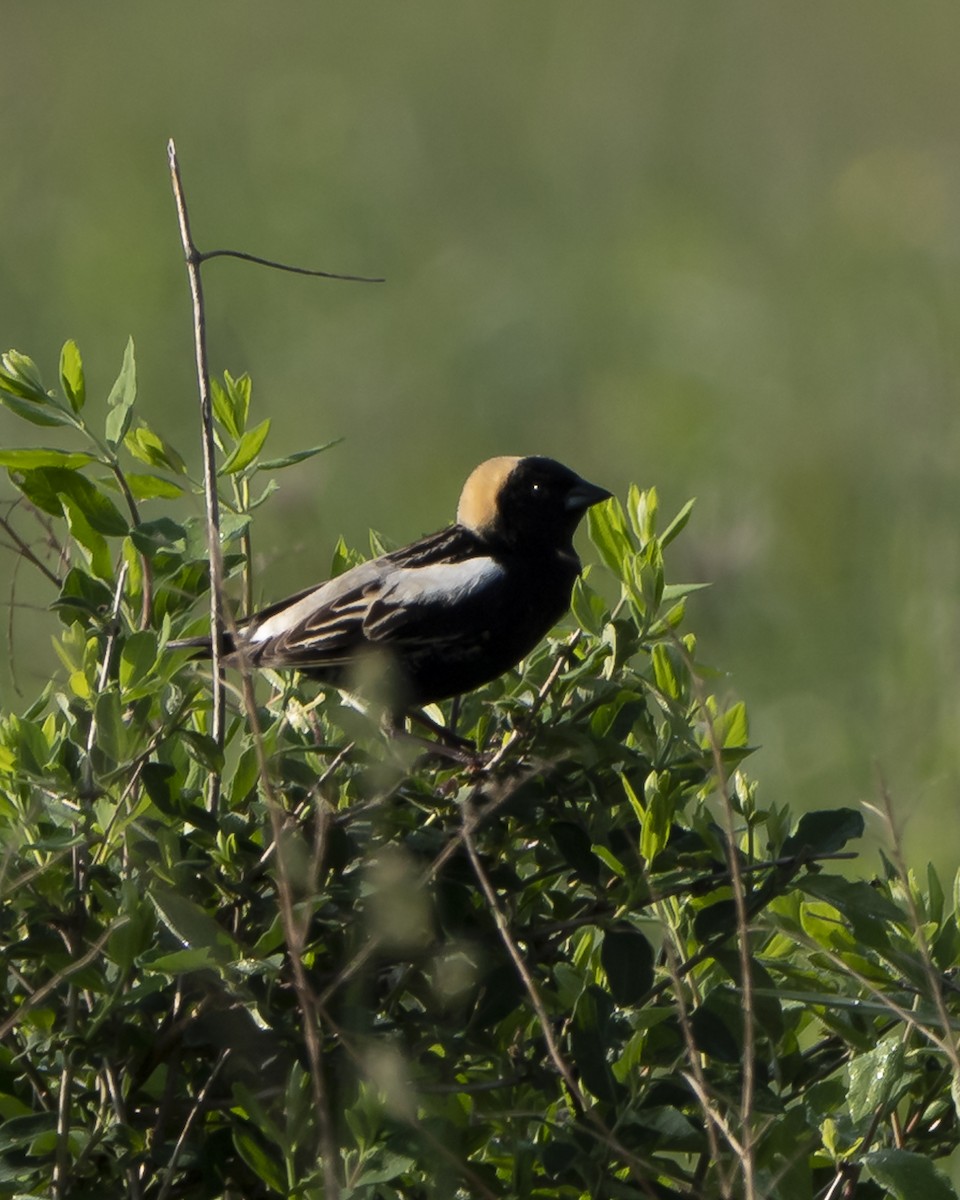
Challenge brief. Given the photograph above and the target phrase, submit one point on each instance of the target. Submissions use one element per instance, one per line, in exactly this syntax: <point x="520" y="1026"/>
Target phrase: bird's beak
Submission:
<point x="582" y="495"/>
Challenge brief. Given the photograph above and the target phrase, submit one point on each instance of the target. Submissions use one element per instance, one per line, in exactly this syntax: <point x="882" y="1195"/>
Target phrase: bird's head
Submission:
<point x="529" y="501"/>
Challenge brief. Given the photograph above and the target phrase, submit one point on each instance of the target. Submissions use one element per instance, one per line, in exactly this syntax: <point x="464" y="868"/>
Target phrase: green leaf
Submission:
<point x="246" y="449"/>
<point x="151" y="487"/>
<point x="36" y="486"/>
<point x="873" y="1077"/>
<point x="161" y="535"/>
<point x="91" y="539"/>
<point x="29" y="742"/>
<point x="262" y="1164"/>
<point x="678" y="524"/>
<point x="277" y="464"/>
<point x="609" y="533"/>
<point x="36" y="414"/>
<point x="71" y="375"/>
<point x="203" y="748"/>
<point x="627" y="958"/>
<point x="231" y="403"/>
<point x="82" y="597"/>
<point x="193" y="928"/>
<point x="718" y="1025"/>
<point x="909" y="1176"/>
<point x="388" y="1166"/>
<point x="588" y="1046"/>
<point x="660" y="804"/>
<point x="29" y="459"/>
<point x="642" y="507"/>
<point x="824" y="832"/>
<point x="573" y="842"/>
<point x="46" y="485"/>
<point x="607" y="856"/>
<point x="111" y="733"/>
<point x="245" y="776"/>
<point x="588" y="608"/>
<point x="664" y="673"/>
<point x="20" y="378"/>
<point x="860" y="903"/>
<point x="137" y="657"/>
<point x="122" y="397"/>
<point x="715" y="919"/>
<point x="731" y="729"/>
<point x="150" y="448"/>
<point x="183" y="962"/>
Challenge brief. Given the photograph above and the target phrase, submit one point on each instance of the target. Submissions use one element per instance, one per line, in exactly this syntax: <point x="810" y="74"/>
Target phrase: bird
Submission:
<point x="445" y="614"/>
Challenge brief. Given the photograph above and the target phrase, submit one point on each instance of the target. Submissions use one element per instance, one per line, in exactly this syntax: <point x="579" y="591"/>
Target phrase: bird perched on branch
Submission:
<point x="448" y="612"/>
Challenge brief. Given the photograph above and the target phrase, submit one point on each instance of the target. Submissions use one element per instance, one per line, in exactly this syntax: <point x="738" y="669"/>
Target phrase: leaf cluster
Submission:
<point x="590" y="963"/>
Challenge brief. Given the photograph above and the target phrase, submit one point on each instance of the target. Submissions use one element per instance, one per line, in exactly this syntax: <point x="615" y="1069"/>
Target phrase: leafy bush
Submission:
<point x="591" y="964"/>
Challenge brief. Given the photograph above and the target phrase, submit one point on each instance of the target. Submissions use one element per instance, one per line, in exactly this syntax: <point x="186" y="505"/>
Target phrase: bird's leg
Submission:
<point x="445" y="734"/>
<point x="448" y="745"/>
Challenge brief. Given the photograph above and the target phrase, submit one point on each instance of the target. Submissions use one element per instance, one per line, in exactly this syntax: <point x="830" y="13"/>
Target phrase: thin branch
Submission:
<point x="27" y="553"/>
<point x="563" y="660"/>
<point x="278" y="266"/>
<point x="294" y="934"/>
<point x="917" y="921"/>
<point x="741" y="902"/>
<point x="523" y="971"/>
<point x="580" y="1106"/>
<point x="192" y="1118"/>
<point x="61" y="976"/>
<point x="193" y="260"/>
<point x="146" y="604"/>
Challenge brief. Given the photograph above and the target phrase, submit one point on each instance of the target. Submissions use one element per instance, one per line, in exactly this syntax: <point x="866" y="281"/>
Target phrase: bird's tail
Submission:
<point x="200" y="645"/>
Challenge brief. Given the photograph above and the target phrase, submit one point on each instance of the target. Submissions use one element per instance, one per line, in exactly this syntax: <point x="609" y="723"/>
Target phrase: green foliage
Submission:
<point x="517" y="977"/>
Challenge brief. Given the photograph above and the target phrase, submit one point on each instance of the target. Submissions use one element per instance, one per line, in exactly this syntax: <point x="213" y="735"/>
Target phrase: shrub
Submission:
<point x="592" y="964"/>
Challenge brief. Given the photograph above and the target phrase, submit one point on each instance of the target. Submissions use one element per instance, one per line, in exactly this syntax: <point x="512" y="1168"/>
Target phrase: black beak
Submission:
<point x="582" y="495"/>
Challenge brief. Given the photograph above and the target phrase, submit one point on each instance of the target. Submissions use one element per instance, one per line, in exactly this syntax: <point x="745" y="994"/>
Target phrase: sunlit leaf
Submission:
<point x="28" y="459"/>
<point x="246" y="449"/>
<point x="152" y="487"/>
<point x="71" y="375"/>
<point x="277" y="464"/>
<point x="122" y="397"/>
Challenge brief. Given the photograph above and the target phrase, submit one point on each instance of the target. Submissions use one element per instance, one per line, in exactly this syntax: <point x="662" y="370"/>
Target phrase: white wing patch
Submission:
<point x="441" y="583"/>
<point x="289" y="618"/>
<point x="341" y="606"/>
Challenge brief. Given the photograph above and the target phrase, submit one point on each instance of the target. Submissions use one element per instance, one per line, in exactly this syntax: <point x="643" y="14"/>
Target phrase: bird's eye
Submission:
<point x="535" y="487"/>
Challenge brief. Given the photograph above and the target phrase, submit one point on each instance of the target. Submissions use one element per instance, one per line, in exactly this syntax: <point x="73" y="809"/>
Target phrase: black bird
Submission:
<point x="446" y="613"/>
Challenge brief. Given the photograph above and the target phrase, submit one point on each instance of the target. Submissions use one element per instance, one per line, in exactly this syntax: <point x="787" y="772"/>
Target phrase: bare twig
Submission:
<point x="277" y="266"/>
<point x="61" y="976"/>
<point x="147" y="600"/>
<point x="563" y="658"/>
<point x="27" y="553"/>
<point x="74" y="935"/>
<point x="523" y="971"/>
<point x="294" y="935"/>
<point x="108" y="650"/>
<point x="743" y="1149"/>
<point x="373" y="944"/>
<point x="581" y="1106"/>
<point x="193" y="260"/>
<point x="917" y="921"/>
<point x="192" y="1118"/>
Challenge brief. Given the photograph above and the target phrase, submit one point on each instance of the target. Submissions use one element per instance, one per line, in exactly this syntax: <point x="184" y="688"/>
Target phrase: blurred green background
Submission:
<point x="708" y="247"/>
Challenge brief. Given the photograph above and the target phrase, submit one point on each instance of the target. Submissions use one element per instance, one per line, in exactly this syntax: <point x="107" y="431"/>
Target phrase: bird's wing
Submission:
<point x="434" y="603"/>
<point x="380" y="602"/>
<point x="321" y="627"/>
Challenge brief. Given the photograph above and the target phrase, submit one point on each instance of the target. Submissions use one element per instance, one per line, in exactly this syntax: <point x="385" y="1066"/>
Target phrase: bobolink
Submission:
<point x="448" y="612"/>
